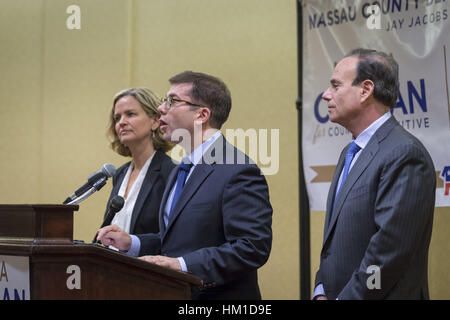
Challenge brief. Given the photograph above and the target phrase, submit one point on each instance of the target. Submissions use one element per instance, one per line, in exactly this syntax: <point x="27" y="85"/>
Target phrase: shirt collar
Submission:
<point x="363" y="139"/>
<point x="196" y="155"/>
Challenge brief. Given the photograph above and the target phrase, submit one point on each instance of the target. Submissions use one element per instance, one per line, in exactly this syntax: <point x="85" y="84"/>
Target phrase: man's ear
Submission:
<point x="367" y="89"/>
<point x="203" y="115"/>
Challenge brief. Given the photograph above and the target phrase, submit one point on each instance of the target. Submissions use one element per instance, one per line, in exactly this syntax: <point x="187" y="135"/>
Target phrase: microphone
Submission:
<point x="96" y="180"/>
<point x="115" y="206"/>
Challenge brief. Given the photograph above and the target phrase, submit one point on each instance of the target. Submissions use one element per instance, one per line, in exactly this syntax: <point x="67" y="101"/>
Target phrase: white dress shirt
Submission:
<point x="123" y="217"/>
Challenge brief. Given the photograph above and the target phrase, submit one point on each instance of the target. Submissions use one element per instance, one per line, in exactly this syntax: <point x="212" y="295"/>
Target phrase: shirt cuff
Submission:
<point x="135" y="246"/>
<point x="319" y="291"/>
<point x="183" y="264"/>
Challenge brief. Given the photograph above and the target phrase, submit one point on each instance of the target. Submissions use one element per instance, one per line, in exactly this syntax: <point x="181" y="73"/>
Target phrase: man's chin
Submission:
<point x="171" y="139"/>
<point x="333" y="118"/>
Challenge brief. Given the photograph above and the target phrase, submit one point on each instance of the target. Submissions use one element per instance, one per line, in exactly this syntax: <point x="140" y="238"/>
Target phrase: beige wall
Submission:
<point x="57" y="86"/>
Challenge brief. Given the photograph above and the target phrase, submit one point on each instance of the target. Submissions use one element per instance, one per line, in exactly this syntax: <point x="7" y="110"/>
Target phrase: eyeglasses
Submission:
<point x="169" y="102"/>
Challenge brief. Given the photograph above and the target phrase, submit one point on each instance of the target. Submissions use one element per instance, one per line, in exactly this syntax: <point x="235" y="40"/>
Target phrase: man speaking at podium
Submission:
<point x="215" y="214"/>
<point x="381" y="201"/>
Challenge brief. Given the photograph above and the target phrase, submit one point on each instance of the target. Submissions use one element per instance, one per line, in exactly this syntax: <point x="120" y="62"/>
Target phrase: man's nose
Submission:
<point x="161" y="108"/>
<point x="326" y="95"/>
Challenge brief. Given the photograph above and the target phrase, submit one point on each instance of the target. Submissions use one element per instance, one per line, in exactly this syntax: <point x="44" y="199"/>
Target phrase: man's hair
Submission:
<point x="207" y="91"/>
<point x="382" y="70"/>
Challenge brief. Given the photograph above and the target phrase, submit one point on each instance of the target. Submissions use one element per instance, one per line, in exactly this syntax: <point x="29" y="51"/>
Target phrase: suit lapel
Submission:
<point x="146" y="187"/>
<point x="367" y="154"/>
<point x="358" y="168"/>
<point x="198" y="175"/>
<point x="170" y="183"/>
<point x="118" y="181"/>
<point x="200" y="172"/>
<point x="332" y="192"/>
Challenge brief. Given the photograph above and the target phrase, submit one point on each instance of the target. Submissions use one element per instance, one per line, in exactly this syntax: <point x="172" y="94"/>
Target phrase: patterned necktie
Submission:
<point x="183" y="170"/>
<point x="352" y="150"/>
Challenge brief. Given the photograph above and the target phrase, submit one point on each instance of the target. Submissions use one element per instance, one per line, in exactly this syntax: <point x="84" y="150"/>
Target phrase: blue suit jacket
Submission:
<point x="221" y="224"/>
<point x="145" y="218"/>
<point x="383" y="217"/>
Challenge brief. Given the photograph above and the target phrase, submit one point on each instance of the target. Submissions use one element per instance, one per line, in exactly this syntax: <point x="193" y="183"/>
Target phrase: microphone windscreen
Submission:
<point x="108" y="169"/>
<point x="117" y="203"/>
<point x="96" y="176"/>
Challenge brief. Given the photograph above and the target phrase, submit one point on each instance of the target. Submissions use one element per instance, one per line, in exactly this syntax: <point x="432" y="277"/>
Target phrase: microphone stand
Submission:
<point x="85" y="195"/>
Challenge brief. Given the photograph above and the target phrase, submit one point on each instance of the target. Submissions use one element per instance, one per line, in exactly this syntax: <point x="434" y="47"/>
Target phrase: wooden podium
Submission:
<point x="44" y="234"/>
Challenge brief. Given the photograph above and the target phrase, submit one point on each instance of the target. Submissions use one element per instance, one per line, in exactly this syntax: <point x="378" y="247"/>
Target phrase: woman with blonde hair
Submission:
<point x="135" y="133"/>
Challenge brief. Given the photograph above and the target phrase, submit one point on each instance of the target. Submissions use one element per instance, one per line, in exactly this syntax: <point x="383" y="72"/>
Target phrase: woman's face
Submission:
<point x="132" y="125"/>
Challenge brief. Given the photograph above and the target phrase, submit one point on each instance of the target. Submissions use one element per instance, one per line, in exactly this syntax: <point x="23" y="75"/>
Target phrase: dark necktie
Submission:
<point x="183" y="170"/>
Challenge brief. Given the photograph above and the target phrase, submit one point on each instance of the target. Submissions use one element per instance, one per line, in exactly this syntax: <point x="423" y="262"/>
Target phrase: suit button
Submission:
<point x="209" y="285"/>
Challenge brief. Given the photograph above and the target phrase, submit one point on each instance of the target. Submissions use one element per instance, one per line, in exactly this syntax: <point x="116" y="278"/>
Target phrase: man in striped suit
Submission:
<point x="381" y="201"/>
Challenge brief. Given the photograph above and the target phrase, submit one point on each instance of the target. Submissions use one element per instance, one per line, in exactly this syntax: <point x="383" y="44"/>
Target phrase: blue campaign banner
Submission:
<point x="416" y="33"/>
<point x="14" y="278"/>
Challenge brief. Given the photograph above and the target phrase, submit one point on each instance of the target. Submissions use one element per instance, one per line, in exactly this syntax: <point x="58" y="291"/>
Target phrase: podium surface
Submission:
<point x="62" y="269"/>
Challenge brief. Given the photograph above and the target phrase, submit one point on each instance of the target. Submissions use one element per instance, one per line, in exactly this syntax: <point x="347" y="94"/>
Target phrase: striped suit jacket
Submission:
<point x="376" y="241"/>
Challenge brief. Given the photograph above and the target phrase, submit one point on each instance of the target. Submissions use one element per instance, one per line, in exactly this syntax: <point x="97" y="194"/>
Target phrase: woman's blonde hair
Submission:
<point x="149" y="103"/>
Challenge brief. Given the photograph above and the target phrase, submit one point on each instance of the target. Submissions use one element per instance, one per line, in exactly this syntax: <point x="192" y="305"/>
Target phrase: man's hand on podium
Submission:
<point x="163" y="261"/>
<point x="112" y="235"/>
